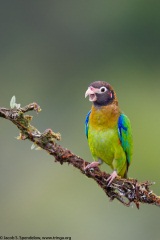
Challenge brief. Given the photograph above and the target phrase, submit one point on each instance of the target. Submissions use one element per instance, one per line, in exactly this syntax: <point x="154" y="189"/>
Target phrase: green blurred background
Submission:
<point x="50" y="51"/>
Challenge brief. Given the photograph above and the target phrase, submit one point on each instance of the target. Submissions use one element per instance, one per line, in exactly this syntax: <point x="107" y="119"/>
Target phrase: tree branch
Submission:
<point x="126" y="191"/>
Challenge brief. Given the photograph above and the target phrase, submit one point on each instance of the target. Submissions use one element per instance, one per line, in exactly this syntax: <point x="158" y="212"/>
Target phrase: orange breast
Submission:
<point x="104" y="117"/>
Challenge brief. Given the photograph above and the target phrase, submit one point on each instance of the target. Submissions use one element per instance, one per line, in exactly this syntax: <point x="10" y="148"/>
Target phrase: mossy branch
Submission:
<point x="126" y="191"/>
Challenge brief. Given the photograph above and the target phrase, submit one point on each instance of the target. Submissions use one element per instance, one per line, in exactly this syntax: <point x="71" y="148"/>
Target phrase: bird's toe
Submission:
<point x="111" y="178"/>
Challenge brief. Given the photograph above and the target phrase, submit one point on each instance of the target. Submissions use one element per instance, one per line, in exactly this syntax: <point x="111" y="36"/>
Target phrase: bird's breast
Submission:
<point x="103" y="133"/>
<point x="105" y="117"/>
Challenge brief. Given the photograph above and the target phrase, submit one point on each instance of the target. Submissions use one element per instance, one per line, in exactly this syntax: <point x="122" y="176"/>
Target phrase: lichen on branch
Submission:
<point x="126" y="191"/>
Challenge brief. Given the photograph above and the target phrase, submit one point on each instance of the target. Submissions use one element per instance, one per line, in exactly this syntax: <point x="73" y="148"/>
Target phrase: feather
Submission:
<point x="125" y="136"/>
<point x="87" y="123"/>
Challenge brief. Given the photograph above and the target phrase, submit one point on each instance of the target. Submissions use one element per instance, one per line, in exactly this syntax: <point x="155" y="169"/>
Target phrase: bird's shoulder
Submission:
<point x="87" y="123"/>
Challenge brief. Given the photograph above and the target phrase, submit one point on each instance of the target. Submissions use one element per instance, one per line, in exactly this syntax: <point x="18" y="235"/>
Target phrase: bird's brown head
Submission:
<point x="101" y="94"/>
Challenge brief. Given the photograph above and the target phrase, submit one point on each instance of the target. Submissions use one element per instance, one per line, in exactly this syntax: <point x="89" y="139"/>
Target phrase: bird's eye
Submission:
<point x="103" y="89"/>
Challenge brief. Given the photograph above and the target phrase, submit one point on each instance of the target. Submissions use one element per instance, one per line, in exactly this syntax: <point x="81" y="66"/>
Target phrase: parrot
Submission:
<point x="108" y="131"/>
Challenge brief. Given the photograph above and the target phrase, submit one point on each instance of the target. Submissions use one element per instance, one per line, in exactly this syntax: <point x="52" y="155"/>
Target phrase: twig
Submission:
<point x="124" y="190"/>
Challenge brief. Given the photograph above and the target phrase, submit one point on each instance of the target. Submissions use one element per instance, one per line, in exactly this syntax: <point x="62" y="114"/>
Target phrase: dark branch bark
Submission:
<point x="124" y="190"/>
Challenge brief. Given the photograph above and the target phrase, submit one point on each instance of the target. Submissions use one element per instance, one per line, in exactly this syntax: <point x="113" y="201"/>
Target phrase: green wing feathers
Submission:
<point x="125" y="136"/>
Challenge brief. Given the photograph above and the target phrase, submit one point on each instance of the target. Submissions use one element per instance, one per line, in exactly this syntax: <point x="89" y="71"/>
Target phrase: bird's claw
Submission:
<point x="111" y="178"/>
<point x="91" y="165"/>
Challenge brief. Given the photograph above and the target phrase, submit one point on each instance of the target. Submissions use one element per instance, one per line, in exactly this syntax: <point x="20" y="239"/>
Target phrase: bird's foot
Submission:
<point x="111" y="178"/>
<point x="91" y="165"/>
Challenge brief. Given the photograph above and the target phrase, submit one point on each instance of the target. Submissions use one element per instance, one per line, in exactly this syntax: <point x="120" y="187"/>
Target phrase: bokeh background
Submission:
<point x="50" y="51"/>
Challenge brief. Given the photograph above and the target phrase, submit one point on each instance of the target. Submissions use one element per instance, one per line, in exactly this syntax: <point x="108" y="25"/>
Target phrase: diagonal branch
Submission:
<point x="124" y="190"/>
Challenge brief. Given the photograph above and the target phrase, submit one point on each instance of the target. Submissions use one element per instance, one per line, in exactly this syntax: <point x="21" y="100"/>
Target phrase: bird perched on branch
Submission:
<point x="108" y="131"/>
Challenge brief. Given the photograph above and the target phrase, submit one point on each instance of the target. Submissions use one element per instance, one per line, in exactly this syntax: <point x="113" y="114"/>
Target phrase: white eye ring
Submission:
<point x="103" y="89"/>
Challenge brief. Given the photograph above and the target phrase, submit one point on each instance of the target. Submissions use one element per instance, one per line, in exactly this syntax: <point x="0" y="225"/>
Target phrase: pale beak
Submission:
<point x="91" y="92"/>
